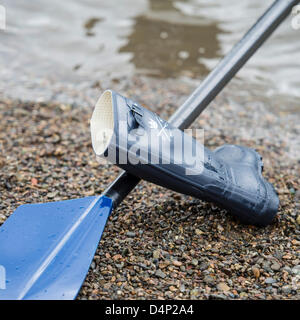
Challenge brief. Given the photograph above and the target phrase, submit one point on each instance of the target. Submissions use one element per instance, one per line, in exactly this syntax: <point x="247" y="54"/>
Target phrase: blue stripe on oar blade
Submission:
<point x="46" y="249"/>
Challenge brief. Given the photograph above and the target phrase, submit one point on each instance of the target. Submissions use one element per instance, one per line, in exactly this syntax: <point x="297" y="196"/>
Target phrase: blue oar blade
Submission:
<point x="46" y="249"/>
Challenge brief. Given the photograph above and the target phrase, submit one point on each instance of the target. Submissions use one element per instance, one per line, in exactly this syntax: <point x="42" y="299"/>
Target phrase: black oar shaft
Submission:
<point x="213" y="83"/>
<point x="120" y="187"/>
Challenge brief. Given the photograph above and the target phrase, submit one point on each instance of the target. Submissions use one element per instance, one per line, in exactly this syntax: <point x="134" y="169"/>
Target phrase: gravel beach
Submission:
<point x="159" y="244"/>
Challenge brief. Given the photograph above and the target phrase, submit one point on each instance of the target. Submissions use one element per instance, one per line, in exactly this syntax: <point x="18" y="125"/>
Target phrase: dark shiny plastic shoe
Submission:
<point x="140" y="142"/>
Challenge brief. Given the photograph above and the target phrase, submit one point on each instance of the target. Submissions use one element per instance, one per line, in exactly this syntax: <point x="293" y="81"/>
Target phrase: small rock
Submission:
<point x="198" y="232"/>
<point x="52" y="195"/>
<point x="286" y="289"/>
<point x="203" y="266"/>
<point x="168" y="295"/>
<point x="296" y="270"/>
<point x="156" y="254"/>
<point x="270" y="281"/>
<point x="34" y="181"/>
<point x="292" y="190"/>
<point x="222" y="286"/>
<point x="177" y="263"/>
<point x="256" y="272"/>
<point x="266" y="266"/>
<point x="298" y="219"/>
<point x="130" y="234"/>
<point x="208" y="279"/>
<point x="194" y="292"/>
<point x="287" y="256"/>
<point x="194" y="262"/>
<point x="220" y="228"/>
<point x="275" y="266"/>
<point x="160" y="274"/>
<point x="287" y="269"/>
<point x="117" y="257"/>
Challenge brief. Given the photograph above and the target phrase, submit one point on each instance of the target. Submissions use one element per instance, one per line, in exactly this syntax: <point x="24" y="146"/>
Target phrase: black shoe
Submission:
<point x="140" y="142"/>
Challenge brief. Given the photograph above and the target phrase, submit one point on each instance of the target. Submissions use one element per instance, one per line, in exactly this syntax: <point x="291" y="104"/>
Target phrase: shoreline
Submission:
<point x="182" y="248"/>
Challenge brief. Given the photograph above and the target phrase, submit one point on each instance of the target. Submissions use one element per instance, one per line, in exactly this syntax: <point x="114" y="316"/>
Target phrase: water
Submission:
<point x="71" y="44"/>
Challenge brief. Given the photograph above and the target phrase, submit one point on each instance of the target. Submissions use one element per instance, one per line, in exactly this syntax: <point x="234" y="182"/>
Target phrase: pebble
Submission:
<point x="177" y="263"/>
<point x="195" y="262"/>
<point x="270" y="280"/>
<point x="156" y="254"/>
<point x="52" y="195"/>
<point x="198" y="232"/>
<point x="296" y="270"/>
<point x="287" y="269"/>
<point x="182" y="288"/>
<point x="203" y="266"/>
<point x="209" y="279"/>
<point x="160" y="274"/>
<point x="130" y="234"/>
<point x="223" y="287"/>
<point x="194" y="293"/>
<point x="256" y="272"/>
<point x="286" y="289"/>
<point x="275" y="266"/>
